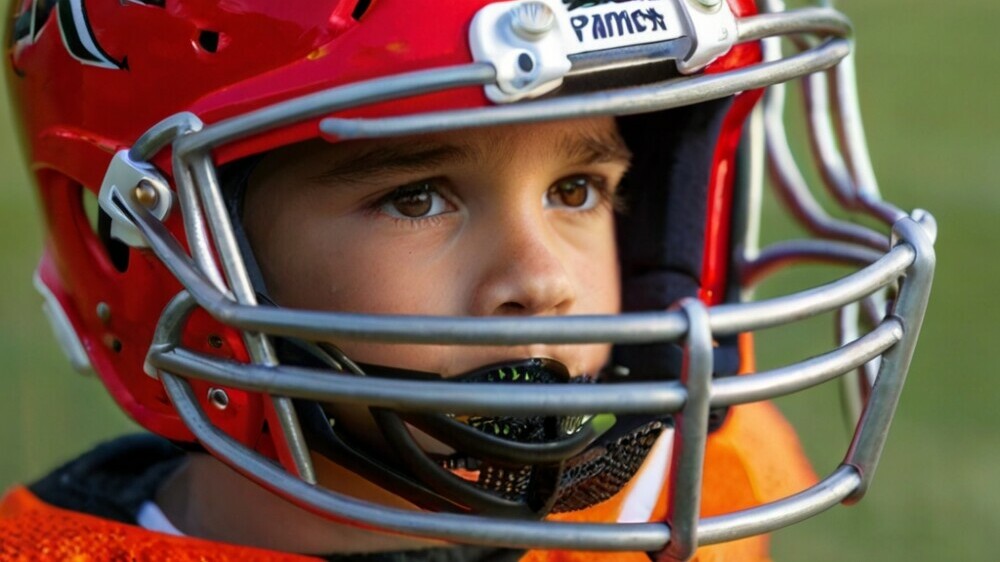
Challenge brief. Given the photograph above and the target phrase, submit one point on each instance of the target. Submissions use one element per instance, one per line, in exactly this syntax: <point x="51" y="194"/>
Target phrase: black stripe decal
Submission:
<point x="81" y="43"/>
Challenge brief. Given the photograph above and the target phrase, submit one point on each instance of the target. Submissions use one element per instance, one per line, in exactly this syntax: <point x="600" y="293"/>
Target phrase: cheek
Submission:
<point x="607" y="279"/>
<point x="347" y="266"/>
<point x="595" y="267"/>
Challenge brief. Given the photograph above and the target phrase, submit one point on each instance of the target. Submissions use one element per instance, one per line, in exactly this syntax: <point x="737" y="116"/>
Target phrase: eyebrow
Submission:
<point x="578" y="148"/>
<point x="395" y="158"/>
<point x="592" y="147"/>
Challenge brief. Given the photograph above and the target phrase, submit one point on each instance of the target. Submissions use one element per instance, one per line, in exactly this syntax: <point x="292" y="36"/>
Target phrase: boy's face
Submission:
<point x="506" y="221"/>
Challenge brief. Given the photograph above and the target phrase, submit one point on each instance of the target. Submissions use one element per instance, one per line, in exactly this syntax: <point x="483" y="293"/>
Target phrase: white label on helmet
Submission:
<point x="530" y="42"/>
<point x="595" y="26"/>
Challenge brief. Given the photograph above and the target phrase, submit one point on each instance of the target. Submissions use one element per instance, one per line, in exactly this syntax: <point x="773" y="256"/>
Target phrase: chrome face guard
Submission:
<point x="903" y="264"/>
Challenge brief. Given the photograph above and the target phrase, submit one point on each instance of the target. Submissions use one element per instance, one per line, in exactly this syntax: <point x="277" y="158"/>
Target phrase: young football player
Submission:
<point x="400" y="280"/>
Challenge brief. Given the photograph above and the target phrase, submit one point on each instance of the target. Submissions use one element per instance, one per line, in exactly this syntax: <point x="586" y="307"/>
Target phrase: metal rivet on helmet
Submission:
<point x="146" y="194"/>
<point x="532" y="20"/>
<point x="218" y="398"/>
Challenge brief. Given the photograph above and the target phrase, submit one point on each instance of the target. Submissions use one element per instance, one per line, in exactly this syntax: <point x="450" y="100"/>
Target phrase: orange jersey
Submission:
<point x="33" y="531"/>
<point x="753" y="458"/>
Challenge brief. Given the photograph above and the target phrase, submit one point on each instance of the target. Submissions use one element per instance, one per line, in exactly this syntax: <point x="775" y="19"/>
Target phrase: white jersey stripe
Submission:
<point x="641" y="500"/>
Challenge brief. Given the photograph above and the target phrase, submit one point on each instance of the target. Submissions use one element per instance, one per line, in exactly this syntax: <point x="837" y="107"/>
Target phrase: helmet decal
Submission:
<point x="79" y="39"/>
<point x="29" y="23"/>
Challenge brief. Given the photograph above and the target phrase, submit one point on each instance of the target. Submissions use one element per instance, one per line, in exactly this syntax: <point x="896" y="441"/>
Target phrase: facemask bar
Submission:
<point x="287" y="431"/>
<point x="911" y="255"/>
<point x="855" y="390"/>
<point x="672" y="396"/>
<point x="851" y="183"/>
<point x="828" y="24"/>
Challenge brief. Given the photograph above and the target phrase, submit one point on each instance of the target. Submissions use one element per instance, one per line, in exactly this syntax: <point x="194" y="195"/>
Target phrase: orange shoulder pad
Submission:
<point x="33" y="531"/>
<point x="754" y="458"/>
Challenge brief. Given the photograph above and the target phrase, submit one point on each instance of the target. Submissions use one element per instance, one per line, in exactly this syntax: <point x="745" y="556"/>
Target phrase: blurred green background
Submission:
<point x="929" y="79"/>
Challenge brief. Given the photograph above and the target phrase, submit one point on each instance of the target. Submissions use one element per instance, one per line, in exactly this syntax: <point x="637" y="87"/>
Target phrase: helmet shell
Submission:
<point x="220" y="60"/>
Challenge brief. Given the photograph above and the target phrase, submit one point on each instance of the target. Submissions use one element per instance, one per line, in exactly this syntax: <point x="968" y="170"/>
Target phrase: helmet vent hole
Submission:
<point x="113" y="343"/>
<point x="360" y="8"/>
<point x="209" y="40"/>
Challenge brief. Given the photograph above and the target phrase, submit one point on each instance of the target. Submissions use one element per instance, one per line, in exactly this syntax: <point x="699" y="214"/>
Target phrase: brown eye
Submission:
<point x="575" y="192"/>
<point x="416" y="201"/>
<point x="413" y="204"/>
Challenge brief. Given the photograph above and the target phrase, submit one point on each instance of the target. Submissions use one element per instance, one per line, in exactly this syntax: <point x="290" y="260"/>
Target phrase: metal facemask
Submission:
<point x="528" y="56"/>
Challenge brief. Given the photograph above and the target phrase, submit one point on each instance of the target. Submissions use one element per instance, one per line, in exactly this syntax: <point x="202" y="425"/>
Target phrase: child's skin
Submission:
<point x="493" y="238"/>
<point x="515" y="220"/>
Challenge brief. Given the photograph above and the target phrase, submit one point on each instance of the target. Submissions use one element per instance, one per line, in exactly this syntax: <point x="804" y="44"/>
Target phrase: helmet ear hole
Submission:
<point x="91" y="208"/>
<point x="118" y="252"/>
<point x="100" y="224"/>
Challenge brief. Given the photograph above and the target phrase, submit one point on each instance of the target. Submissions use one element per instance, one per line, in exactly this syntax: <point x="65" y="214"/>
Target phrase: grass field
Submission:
<point x="928" y="72"/>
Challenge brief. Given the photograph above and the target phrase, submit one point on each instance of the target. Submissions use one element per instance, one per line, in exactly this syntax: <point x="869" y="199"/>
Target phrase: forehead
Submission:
<point x="590" y="139"/>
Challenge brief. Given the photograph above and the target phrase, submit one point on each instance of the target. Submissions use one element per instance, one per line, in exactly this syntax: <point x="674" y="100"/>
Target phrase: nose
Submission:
<point x="524" y="271"/>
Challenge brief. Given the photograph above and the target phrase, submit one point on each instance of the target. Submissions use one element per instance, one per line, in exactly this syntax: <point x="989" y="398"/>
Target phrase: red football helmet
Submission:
<point x="150" y="105"/>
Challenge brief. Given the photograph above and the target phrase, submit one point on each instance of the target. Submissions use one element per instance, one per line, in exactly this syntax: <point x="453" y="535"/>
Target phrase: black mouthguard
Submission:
<point x="513" y="466"/>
